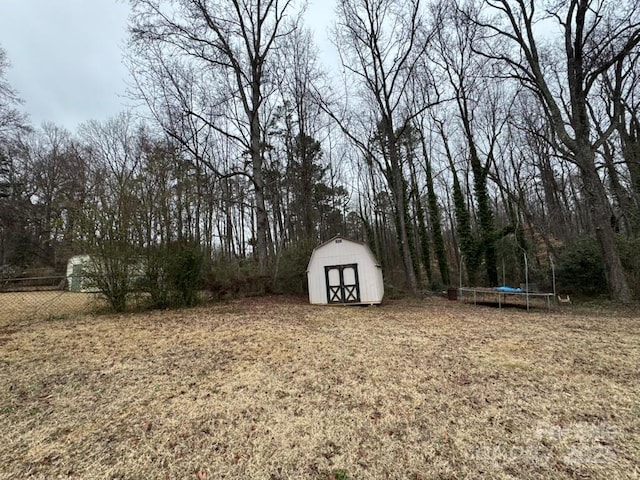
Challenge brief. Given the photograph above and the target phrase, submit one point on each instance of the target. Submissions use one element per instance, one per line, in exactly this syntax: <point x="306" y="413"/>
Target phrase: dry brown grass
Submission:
<point x="275" y="388"/>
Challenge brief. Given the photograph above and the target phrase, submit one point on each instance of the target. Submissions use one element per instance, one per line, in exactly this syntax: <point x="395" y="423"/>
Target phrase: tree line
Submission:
<point x="459" y="139"/>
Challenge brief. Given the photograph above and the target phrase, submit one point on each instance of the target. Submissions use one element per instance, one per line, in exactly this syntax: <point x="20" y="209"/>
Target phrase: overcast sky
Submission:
<point x="66" y="55"/>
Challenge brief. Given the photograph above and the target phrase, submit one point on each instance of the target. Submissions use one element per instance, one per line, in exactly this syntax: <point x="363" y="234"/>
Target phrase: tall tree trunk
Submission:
<point x="600" y="214"/>
<point x="630" y="139"/>
<point x="257" y="160"/>
<point x="421" y="222"/>
<point x="434" y="216"/>
<point x="620" y="194"/>
<point x="631" y="154"/>
<point x="553" y="204"/>
<point x="400" y="204"/>
<point x="485" y="215"/>
<point x="468" y="244"/>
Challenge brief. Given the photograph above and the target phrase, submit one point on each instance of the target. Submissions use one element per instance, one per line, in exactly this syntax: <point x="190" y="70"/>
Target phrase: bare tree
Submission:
<point x="483" y="103"/>
<point x="300" y="123"/>
<point x="56" y="174"/>
<point x="11" y="118"/>
<point x="596" y="35"/>
<point x="622" y="93"/>
<point x="111" y="228"/>
<point x="381" y="42"/>
<point x="13" y="197"/>
<point x="232" y="42"/>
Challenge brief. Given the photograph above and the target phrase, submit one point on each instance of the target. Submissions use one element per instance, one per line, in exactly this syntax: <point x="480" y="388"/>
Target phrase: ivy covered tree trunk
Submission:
<point x="480" y="190"/>
<point x="466" y="241"/>
<point x="421" y="223"/>
<point x="434" y="216"/>
<point x="401" y="210"/>
<point x="468" y="244"/>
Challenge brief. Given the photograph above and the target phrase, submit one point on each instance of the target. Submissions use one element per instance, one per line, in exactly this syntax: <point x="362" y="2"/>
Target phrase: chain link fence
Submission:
<point x="51" y="297"/>
<point x="36" y="298"/>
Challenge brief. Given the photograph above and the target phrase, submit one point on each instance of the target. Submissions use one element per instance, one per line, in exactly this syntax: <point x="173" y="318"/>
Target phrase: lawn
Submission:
<point x="274" y="388"/>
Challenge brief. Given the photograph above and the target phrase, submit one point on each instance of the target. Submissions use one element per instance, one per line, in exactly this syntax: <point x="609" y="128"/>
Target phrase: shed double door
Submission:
<point x="342" y="283"/>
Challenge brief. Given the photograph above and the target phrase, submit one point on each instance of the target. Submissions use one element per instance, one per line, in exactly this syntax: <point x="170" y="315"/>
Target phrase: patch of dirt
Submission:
<point x="276" y="388"/>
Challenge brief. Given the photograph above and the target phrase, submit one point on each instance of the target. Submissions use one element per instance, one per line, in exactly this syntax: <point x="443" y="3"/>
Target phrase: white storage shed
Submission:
<point x="78" y="270"/>
<point x="343" y="271"/>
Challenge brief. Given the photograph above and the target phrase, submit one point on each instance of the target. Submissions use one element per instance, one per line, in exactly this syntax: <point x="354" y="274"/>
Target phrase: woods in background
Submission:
<point x="458" y="138"/>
